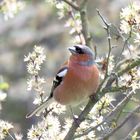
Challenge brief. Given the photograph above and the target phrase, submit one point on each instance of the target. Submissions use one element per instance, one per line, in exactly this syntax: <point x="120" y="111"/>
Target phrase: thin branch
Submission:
<point x="77" y="30"/>
<point x="103" y="19"/>
<point x="81" y="118"/>
<point x="107" y="28"/>
<point x="95" y="50"/>
<point x="11" y="135"/>
<point x="113" y="89"/>
<point x="124" y="61"/>
<point x="84" y="20"/>
<point x="130" y="66"/>
<point x="121" y="124"/>
<point x="125" y="43"/>
<point x="84" y="2"/>
<point x="74" y="6"/>
<point x="121" y="111"/>
<point x="109" y="45"/>
<point x="132" y="131"/>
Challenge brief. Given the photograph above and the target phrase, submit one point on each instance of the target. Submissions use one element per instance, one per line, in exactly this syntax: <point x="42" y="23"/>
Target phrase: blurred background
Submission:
<point x="38" y="24"/>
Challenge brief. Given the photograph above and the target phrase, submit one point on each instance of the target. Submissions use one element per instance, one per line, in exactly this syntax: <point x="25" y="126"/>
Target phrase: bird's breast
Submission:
<point x="78" y="84"/>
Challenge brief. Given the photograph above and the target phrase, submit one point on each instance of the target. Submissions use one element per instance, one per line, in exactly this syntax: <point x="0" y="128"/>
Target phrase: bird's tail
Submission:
<point x="40" y="108"/>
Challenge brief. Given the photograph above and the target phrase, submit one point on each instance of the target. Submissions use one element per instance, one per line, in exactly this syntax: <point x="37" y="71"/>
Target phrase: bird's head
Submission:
<point x="81" y="54"/>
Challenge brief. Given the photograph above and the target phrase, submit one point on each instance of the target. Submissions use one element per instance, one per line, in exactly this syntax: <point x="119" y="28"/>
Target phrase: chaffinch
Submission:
<point x="76" y="80"/>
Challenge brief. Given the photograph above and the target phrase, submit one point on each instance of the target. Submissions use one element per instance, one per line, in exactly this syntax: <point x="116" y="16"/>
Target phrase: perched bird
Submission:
<point x="76" y="80"/>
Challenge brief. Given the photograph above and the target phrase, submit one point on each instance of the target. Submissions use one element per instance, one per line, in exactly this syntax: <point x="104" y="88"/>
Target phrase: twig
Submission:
<point x="132" y="131"/>
<point x="129" y="67"/>
<point x="11" y="135"/>
<point x="77" y="30"/>
<point x="121" y="124"/>
<point x="113" y="89"/>
<point x="95" y="50"/>
<point x="74" y="6"/>
<point x="83" y="16"/>
<point x="107" y="28"/>
<point x="83" y="4"/>
<point x="124" y="61"/>
<point x="102" y="18"/>
<point x="121" y="111"/>
<point x="81" y="118"/>
<point x="84" y="20"/>
<point x="125" y="43"/>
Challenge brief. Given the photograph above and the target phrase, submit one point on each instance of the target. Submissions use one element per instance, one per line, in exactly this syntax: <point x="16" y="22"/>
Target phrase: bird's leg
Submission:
<point x="93" y="97"/>
<point x="76" y="120"/>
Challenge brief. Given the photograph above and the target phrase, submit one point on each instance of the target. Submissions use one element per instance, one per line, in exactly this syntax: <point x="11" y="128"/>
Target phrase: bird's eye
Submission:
<point x="78" y="50"/>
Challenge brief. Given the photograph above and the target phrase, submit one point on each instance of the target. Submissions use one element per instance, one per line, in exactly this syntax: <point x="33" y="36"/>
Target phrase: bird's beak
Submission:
<point x="72" y="50"/>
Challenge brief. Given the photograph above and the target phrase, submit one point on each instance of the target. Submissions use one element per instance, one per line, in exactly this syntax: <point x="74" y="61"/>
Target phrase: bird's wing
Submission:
<point x="56" y="82"/>
<point x="58" y="78"/>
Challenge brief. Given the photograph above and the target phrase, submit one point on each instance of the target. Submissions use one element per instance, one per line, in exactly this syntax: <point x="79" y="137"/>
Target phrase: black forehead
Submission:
<point x="79" y="50"/>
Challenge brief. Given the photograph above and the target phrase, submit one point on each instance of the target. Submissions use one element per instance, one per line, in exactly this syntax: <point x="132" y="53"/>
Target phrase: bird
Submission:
<point x="76" y="80"/>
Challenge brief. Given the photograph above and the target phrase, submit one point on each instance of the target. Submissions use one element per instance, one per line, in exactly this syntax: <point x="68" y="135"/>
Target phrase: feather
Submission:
<point x="56" y="82"/>
<point x="40" y="108"/>
<point x="58" y="78"/>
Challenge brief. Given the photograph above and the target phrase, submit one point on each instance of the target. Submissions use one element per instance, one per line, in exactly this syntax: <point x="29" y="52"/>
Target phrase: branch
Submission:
<point x="10" y="135"/>
<point x="121" y="124"/>
<point x="126" y="99"/>
<point x="74" y="6"/>
<point x="132" y="131"/>
<point x="124" y="61"/>
<point x="91" y="103"/>
<point x="83" y="4"/>
<point x="129" y="66"/>
<point x="84" y="20"/>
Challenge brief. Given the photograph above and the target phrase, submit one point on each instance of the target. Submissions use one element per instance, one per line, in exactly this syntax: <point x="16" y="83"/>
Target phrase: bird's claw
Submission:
<point x="76" y="120"/>
<point x="93" y="97"/>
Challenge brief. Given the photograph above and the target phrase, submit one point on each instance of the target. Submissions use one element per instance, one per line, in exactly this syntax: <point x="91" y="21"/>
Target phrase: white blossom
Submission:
<point x="35" y="133"/>
<point x="3" y="96"/>
<point x="131" y="52"/>
<point x="11" y="7"/>
<point x="48" y="128"/>
<point x="37" y="101"/>
<point x="125" y="27"/>
<point x="31" y="83"/>
<point x="4" y="128"/>
<point x="34" y="60"/>
<point x="137" y="39"/>
<point x="130" y="18"/>
<point x="57" y="108"/>
<point x="18" y="136"/>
